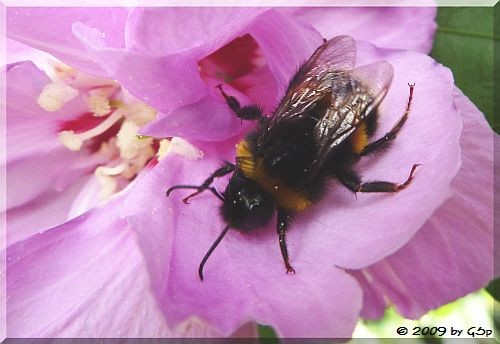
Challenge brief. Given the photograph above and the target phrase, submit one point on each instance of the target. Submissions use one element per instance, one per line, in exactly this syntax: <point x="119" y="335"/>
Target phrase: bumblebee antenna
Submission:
<point x="210" y="250"/>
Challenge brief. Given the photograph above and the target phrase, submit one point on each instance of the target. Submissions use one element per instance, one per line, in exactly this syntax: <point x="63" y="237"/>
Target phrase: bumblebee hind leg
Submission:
<point x="385" y="141"/>
<point x="283" y="219"/>
<point x="353" y="182"/>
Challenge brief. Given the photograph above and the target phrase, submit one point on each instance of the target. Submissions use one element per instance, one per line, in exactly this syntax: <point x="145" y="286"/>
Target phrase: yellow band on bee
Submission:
<point x="286" y="197"/>
<point x="359" y="139"/>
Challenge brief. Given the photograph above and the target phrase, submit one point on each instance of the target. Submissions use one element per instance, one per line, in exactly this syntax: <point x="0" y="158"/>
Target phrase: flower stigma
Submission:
<point x="99" y="105"/>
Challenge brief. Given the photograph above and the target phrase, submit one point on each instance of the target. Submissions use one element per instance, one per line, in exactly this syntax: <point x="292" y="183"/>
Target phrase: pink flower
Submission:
<point x="129" y="267"/>
<point x="76" y="117"/>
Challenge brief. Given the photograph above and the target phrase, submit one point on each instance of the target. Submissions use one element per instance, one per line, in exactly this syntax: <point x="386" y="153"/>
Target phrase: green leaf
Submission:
<point x="493" y="288"/>
<point x="464" y="42"/>
<point x="267" y="335"/>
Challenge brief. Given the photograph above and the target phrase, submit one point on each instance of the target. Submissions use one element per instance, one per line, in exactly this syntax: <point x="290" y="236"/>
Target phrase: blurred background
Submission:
<point x="465" y="42"/>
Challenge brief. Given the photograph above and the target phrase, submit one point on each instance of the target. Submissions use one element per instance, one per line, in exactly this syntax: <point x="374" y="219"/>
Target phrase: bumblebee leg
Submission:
<point x="386" y="140"/>
<point x="283" y="219"/>
<point x="248" y="112"/>
<point x="349" y="179"/>
<point x="226" y="169"/>
<point x="352" y="181"/>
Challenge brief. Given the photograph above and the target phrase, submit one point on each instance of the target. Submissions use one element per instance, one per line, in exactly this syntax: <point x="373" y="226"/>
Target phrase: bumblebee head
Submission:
<point x="246" y="205"/>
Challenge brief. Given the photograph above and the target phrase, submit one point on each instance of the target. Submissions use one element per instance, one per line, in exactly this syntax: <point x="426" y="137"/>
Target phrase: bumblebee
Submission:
<point x="322" y="127"/>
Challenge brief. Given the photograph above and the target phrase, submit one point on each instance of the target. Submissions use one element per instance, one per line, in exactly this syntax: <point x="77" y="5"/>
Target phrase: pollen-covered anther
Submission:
<point x="99" y="105"/>
<point x="70" y="140"/>
<point x="129" y="142"/>
<point x="180" y="147"/>
<point x="55" y="95"/>
<point x="163" y="149"/>
<point x="140" y="113"/>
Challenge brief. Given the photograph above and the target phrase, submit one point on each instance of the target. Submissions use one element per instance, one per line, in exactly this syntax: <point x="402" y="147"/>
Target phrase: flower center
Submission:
<point x="236" y="59"/>
<point x="109" y="129"/>
<point x="241" y="64"/>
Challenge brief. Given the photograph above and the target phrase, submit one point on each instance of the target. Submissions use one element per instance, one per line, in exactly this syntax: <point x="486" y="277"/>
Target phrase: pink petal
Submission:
<point x="496" y="161"/>
<point x="143" y="68"/>
<point x="50" y="30"/>
<point x="20" y="52"/>
<point x="48" y="209"/>
<point x="43" y="176"/>
<point x="87" y="197"/>
<point x="86" y="278"/>
<point x="37" y="161"/>
<point x="389" y="27"/>
<point x="208" y="119"/>
<point x="452" y="254"/>
<point x="374" y="304"/>
<point x="67" y="281"/>
<point x="25" y="83"/>
<point x="245" y="278"/>
<point x="285" y="43"/>
<point x="54" y="170"/>
<point x="155" y="31"/>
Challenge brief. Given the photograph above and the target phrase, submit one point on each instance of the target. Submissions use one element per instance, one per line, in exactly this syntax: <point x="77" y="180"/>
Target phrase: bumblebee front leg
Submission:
<point x="283" y="220"/>
<point x="385" y="141"/>
<point x="226" y="169"/>
<point x="248" y="112"/>
<point x="352" y="181"/>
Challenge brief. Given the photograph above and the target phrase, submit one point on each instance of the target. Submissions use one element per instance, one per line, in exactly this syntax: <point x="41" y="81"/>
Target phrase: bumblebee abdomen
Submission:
<point x="359" y="139"/>
<point x="361" y="136"/>
<point x="286" y="197"/>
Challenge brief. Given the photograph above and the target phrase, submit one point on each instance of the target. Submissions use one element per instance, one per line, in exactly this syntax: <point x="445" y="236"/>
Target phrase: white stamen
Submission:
<point x="137" y="164"/>
<point x="60" y="71"/>
<point x="74" y="141"/>
<point x="110" y="171"/>
<point x="55" y="95"/>
<point x="99" y="105"/>
<point x="106" y="177"/>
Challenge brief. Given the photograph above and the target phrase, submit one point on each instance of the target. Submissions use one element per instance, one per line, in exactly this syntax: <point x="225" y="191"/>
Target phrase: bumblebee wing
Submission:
<point x="313" y="80"/>
<point x="354" y="96"/>
<point x="339" y="53"/>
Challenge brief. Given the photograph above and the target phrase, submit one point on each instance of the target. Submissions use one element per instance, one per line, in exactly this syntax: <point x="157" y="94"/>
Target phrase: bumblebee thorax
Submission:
<point x="253" y="168"/>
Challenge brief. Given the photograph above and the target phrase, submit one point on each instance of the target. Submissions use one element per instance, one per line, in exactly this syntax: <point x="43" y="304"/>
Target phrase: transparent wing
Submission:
<point x="313" y="80"/>
<point x="337" y="54"/>
<point x="355" y="95"/>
